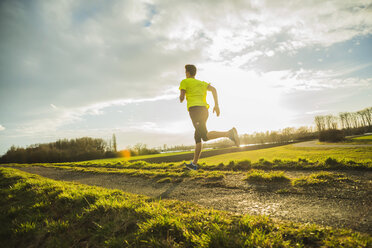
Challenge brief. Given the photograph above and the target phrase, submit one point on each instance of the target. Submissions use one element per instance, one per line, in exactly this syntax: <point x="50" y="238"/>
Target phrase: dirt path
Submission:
<point x="348" y="206"/>
<point x="314" y="143"/>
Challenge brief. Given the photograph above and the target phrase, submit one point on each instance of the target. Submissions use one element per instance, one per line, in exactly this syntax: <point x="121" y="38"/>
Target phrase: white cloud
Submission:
<point x="315" y="80"/>
<point x="2" y="128"/>
<point x="229" y="27"/>
<point x="171" y="128"/>
<point x="87" y="51"/>
<point x="66" y="116"/>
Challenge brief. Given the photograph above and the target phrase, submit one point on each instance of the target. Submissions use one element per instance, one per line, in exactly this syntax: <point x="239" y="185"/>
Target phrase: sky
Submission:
<point x="74" y="68"/>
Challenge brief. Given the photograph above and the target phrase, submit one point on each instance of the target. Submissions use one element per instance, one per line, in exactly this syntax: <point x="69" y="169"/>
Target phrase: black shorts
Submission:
<point x="199" y="117"/>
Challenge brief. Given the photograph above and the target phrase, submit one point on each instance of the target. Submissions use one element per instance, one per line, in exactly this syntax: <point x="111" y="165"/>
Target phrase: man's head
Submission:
<point x="190" y="70"/>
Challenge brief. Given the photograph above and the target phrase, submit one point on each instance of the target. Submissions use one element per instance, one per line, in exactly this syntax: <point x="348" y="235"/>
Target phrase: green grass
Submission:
<point x="290" y="152"/>
<point x="121" y="159"/>
<point x="260" y="176"/>
<point x="39" y="212"/>
<point x="300" y="164"/>
<point x="177" y="171"/>
<point x="363" y="138"/>
<point x="165" y="180"/>
<point x="135" y="169"/>
<point x="321" y="179"/>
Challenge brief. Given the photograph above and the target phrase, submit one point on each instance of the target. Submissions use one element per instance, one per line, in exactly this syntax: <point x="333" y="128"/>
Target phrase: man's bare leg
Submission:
<point x="210" y="135"/>
<point x="215" y="135"/>
<point x="198" y="148"/>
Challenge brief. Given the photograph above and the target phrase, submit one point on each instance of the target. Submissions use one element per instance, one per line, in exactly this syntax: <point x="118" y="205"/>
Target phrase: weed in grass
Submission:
<point x="165" y="180"/>
<point x="260" y="176"/>
<point x="264" y="163"/>
<point x="321" y="178"/>
<point x="162" y="230"/>
<point x="303" y="160"/>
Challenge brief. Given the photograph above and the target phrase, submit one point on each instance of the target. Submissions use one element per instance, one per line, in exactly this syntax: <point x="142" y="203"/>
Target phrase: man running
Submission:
<point x="196" y="96"/>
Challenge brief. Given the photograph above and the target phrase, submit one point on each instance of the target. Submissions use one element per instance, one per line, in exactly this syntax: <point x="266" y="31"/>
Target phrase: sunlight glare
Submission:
<point x="247" y="99"/>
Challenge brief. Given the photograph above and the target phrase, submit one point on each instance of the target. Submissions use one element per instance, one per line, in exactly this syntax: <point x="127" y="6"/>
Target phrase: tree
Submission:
<point x="368" y="115"/>
<point x="320" y="122"/>
<point x="345" y="119"/>
<point x="114" y="143"/>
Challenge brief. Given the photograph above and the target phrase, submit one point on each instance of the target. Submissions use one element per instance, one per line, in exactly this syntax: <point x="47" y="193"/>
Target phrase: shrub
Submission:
<point x="244" y="164"/>
<point x="332" y="135"/>
<point x="331" y="162"/>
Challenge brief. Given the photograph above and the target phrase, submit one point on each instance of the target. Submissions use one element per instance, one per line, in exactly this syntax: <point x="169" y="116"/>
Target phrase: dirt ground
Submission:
<point x="348" y="206"/>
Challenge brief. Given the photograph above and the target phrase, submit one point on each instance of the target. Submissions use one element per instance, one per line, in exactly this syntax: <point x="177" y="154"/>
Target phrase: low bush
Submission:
<point x="332" y="135"/>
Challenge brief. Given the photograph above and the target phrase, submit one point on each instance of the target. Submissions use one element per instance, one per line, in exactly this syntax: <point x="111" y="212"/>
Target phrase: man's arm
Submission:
<point x="215" y="98"/>
<point x="182" y="95"/>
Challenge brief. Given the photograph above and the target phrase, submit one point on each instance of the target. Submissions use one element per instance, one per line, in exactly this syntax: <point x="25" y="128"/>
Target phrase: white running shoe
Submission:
<point x="233" y="135"/>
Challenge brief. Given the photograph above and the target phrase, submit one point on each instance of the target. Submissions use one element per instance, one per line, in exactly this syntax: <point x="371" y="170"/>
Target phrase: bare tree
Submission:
<point x="320" y="122"/>
<point x="354" y="120"/>
<point x="330" y="121"/>
<point x="368" y="116"/>
<point x="114" y="147"/>
<point x="347" y="119"/>
<point x="342" y="120"/>
<point x="361" y="118"/>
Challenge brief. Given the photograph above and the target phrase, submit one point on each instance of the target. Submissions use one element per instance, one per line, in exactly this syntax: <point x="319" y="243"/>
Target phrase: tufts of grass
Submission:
<point x="367" y="139"/>
<point x="320" y="179"/>
<point x="260" y="176"/>
<point x="165" y="180"/>
<point x="291" y="152"/>
<point x="298" y="164"/>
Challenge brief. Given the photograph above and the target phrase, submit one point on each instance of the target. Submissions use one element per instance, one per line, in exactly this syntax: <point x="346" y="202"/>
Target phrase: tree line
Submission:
<point x="62" y="150"/>
<point x="335" y="128"/>
<point x="285" y="135"/>
<point x="72" y="150"/>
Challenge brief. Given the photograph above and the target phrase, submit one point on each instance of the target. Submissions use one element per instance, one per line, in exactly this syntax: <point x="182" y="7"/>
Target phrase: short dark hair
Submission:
<point x="191" y="69"/>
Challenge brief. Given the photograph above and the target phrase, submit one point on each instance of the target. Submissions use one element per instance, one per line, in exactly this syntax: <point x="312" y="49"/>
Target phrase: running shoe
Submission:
<point x="191" y="166"/>
<point x="233" y="135"/>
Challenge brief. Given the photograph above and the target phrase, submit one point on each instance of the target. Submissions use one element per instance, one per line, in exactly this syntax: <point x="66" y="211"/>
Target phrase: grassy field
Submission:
<point x="39" y="212"/>
<point x="363" y="138"/>
<point x="113" y="160"/>
<point x="291" y="152"/>
<point x="287" y="152"/>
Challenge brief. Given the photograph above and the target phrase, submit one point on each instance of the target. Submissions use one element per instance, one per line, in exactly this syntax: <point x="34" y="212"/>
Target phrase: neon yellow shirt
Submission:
<point x="196" y="92"/>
